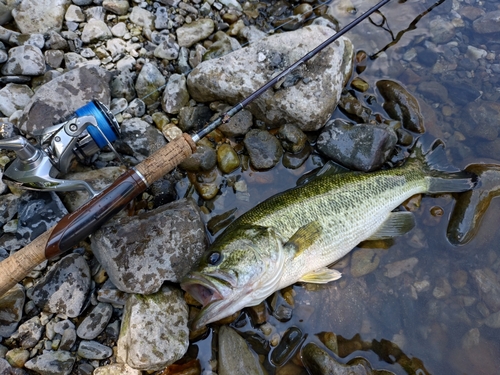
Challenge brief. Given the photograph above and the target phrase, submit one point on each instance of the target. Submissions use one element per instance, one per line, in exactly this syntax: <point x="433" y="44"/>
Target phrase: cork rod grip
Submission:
<point x="166" y="158"/>
<point x="19" y="265"/>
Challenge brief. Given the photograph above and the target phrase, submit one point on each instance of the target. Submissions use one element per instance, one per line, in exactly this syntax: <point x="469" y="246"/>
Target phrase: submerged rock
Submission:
<point x="235" y="357"/>
<point x="154" y="330"/>
<point x="317" y="361"/>
<point x="401" y="105"/>
<point x="307" y="97"/>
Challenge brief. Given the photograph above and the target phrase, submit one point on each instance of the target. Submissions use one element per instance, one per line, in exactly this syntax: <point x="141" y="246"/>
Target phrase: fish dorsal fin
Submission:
<point x="321" y="276"/>
<point x="304" y="237"/>
<point x="397" y="224"/>
<point x="329" y="169"/>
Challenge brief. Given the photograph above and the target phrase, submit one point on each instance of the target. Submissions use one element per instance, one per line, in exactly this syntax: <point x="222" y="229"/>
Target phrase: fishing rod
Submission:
<point x="78" y="225"/>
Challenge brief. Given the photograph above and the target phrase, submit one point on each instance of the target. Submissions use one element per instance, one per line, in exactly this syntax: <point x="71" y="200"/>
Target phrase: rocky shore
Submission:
<point x="113" y="305"/>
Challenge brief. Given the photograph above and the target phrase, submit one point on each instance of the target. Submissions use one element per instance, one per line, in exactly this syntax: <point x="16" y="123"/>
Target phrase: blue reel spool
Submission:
<point x="105" y="121"/>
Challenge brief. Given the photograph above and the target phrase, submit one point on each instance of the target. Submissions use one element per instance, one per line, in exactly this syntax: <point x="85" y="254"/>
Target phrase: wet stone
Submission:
<point x="140" y="253"/>
<point x="49" y="15"/>
<point x="142" y="17"/>
<point x="487" y="24"/>
<point x="52" y="362"/>
<point x="11" y="310"/>
<point x="14" y="97"/>
<point x="65" y="287"/>
<point x="193" y="118"/>
<point x="95" y="322"/>
<point x="359" y="147"/>
<point x="68" y="339"/>
<point x="397" y="268"/>
<point x="401" y="105"/>
<point x="227" y="158"/>
<point x="117" y="369"/>
<point x="264" y="149"/>
<point x="94" y="350"/>
<point x="364" y="261"/>
<point x="154" y="331"/>
<point x="235" y="357"/>
<point x="203" y="159"/>
<point x="489" y="286"/>
<point x="238" y="125"/>
<point x="292" y="138"/>
<point x="119" y="7"/>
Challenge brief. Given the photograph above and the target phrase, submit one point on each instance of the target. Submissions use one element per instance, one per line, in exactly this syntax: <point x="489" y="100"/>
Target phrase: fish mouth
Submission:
<point x="216" y="294"/>
<point x="203" y="289"/>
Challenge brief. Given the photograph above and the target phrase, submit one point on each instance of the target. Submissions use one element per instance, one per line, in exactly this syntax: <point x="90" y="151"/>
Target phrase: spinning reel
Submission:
<point x="36" y="167"/>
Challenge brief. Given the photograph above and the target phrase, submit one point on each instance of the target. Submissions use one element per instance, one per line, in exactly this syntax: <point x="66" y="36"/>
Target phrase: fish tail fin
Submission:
<point x="441" y="176"/>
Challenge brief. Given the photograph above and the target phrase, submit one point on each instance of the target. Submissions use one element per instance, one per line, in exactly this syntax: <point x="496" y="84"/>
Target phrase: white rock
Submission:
<point x="95" y="30"/>
<point x="40" y="16"/>
<point x="24" y="60"/>
<point x="74" y="14"/>
<point x="14" y="97"/>
<point x="201" y="29"/>
<point x="142" y="17"/>
<point x="154" y="331"/>
<point x="308" y="102"/>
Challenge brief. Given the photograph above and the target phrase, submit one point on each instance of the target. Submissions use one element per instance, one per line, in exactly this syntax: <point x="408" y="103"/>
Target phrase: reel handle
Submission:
<point x="92" y="215"/>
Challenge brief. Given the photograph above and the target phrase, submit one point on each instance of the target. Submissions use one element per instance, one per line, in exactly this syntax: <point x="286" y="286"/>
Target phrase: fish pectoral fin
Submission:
<point x="397" y="224"/>
<point x="304" y="237"/>
<point x="321" y="276"/>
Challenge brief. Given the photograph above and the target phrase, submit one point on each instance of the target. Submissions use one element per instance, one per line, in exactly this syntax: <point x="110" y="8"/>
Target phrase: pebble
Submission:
<point x="194" y="32"/>
<point x="395" y="269"/>
<point x="93" y="350"/>
<point x="95" y="322"/>
<point x="29" y="333"/>
<point x="265" y="150"/>
<point x="175" y="96"/>
<point x="148" y="82"/>
<point x="227" y="158"/>
<point x="52" y="362"/>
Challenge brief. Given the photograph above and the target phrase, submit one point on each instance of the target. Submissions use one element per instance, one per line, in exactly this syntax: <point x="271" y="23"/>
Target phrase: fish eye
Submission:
<point x="214" y="258"/>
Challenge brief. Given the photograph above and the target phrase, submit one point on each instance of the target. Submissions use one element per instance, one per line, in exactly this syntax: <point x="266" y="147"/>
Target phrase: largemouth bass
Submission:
<point x="295" y="235"/>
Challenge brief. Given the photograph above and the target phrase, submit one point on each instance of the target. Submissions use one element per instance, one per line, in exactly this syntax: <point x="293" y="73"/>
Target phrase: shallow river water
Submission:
<point x="424" y="308"/>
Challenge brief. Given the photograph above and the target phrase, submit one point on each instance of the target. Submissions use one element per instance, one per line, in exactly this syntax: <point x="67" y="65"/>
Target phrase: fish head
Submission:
<point x="241" y="268"/>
